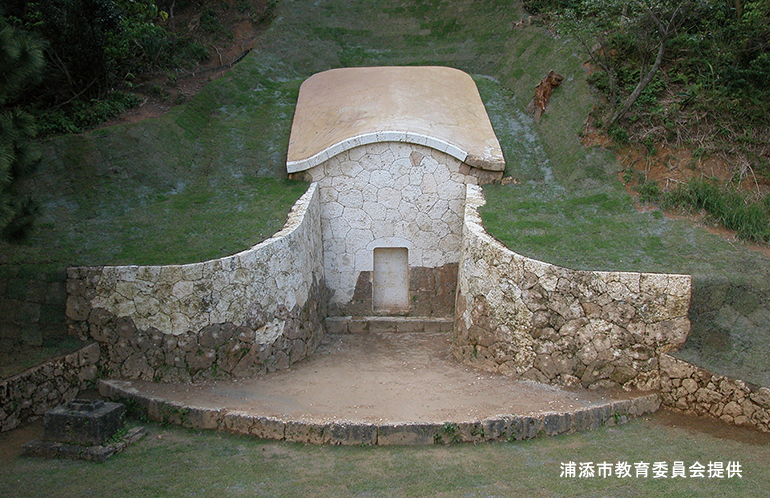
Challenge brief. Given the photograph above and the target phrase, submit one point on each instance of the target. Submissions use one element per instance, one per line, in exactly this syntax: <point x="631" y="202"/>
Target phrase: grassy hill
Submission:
<point x="207" y="178"/>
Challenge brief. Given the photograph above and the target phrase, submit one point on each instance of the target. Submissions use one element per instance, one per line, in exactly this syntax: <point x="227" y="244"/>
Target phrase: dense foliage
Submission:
<point x="60" y="62"/>
<point x="21" y="64"/>
<point x="711" y="90"/>
<point x="90" y="47"/>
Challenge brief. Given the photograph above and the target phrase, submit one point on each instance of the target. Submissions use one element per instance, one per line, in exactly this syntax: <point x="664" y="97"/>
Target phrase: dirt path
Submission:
<point x="240" y="32"/>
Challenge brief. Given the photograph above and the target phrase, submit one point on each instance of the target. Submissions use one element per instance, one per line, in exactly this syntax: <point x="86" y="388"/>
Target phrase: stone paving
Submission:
<point x="383" y="388"/>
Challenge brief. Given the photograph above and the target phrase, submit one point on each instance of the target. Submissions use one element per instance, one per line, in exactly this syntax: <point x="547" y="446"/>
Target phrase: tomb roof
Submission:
<point x="438" y="107"/>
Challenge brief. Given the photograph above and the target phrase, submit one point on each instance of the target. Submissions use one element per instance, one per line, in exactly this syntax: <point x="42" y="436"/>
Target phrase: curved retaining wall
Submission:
<point x="259" y="310"/>
<point x="556" y="325"/>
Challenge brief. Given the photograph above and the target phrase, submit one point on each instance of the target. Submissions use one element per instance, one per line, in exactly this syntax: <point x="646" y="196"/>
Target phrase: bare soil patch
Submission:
<point x="669" y="167"/>
<point x="240" y="25"/>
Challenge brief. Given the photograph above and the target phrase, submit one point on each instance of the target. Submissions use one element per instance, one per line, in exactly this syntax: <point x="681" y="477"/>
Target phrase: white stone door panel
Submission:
<point x="390" y="283"/>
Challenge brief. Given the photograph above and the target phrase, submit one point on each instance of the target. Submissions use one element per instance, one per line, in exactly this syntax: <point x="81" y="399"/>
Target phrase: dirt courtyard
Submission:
<point x="380" y="377"/>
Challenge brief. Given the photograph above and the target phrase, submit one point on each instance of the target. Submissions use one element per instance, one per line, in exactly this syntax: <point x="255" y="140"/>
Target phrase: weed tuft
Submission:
<point x="649" y="191"/>
<point x="734" y="210"/>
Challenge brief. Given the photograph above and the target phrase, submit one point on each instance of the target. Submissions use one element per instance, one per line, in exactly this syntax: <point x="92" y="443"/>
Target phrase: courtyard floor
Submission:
<point x="387" y="379"/>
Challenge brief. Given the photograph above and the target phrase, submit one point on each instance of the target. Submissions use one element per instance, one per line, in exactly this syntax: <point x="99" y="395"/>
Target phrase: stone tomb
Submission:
<point x="392" y="149"/>
<point x="387" y="238"/>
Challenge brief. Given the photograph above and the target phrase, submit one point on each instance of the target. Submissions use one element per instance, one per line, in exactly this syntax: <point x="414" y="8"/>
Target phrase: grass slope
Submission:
<point x="206" y="179"/>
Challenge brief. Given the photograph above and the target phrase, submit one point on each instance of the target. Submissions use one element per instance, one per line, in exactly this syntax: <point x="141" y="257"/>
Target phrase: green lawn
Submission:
<point x="172" y="461"/>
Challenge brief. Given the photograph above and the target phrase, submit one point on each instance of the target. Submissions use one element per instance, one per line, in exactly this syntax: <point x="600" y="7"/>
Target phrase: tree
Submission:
<point x="78" y="31"/>
<point x="93" y="46"/>
<point x="594" y="27"/>
<point x="644" y="27"/>
<point x="745" y="54"/>
<point x="21" y="65"/>
<point x="655" y="23"/>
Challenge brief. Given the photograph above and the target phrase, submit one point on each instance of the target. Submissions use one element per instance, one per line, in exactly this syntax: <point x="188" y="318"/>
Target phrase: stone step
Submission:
<point x="375" y="324"/>
<point x="177" y="406"/>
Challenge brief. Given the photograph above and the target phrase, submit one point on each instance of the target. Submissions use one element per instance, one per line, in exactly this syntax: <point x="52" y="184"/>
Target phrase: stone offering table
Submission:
<point x="84" y="429"/>
<point x="83" y="421"/>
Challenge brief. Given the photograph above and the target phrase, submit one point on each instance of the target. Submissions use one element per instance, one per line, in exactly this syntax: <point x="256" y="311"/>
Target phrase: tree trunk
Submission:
<point x="642" y="84"/>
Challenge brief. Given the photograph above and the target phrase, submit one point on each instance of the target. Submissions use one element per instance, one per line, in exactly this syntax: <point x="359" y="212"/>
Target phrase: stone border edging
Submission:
<point x="35" y="391"/>
<point x="345" y="432"/>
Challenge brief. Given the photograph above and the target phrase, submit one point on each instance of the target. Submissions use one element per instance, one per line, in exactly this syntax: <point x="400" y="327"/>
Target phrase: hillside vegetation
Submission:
<point x="207" y="178"/>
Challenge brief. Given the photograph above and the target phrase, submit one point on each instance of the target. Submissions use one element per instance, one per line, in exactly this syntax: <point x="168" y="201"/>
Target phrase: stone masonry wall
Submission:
<point x="259" y="310"/>
<point x="534" y="320"/>
<point x="690" y="389"/>
<point x="389" y="194"/>
<point x="35" y="391"/>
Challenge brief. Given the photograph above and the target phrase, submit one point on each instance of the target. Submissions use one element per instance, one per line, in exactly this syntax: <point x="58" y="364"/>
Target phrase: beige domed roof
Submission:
<point x="438" y="107"/>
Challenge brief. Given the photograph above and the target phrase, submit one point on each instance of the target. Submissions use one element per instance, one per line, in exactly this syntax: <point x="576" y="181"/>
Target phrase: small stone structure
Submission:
<point x="84" y="421"/>
<point x="84" y="429"/>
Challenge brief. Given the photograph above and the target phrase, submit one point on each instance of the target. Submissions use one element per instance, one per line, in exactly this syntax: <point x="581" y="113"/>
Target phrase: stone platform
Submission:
<point x="383" y="388"/>
<point x="377" y="324"/>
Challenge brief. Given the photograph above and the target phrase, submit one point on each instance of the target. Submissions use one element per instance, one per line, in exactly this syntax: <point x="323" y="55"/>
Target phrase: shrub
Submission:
<point x="619" y="135"/>
<point x="83" y="115"/>
<point x="649" y="191"/>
